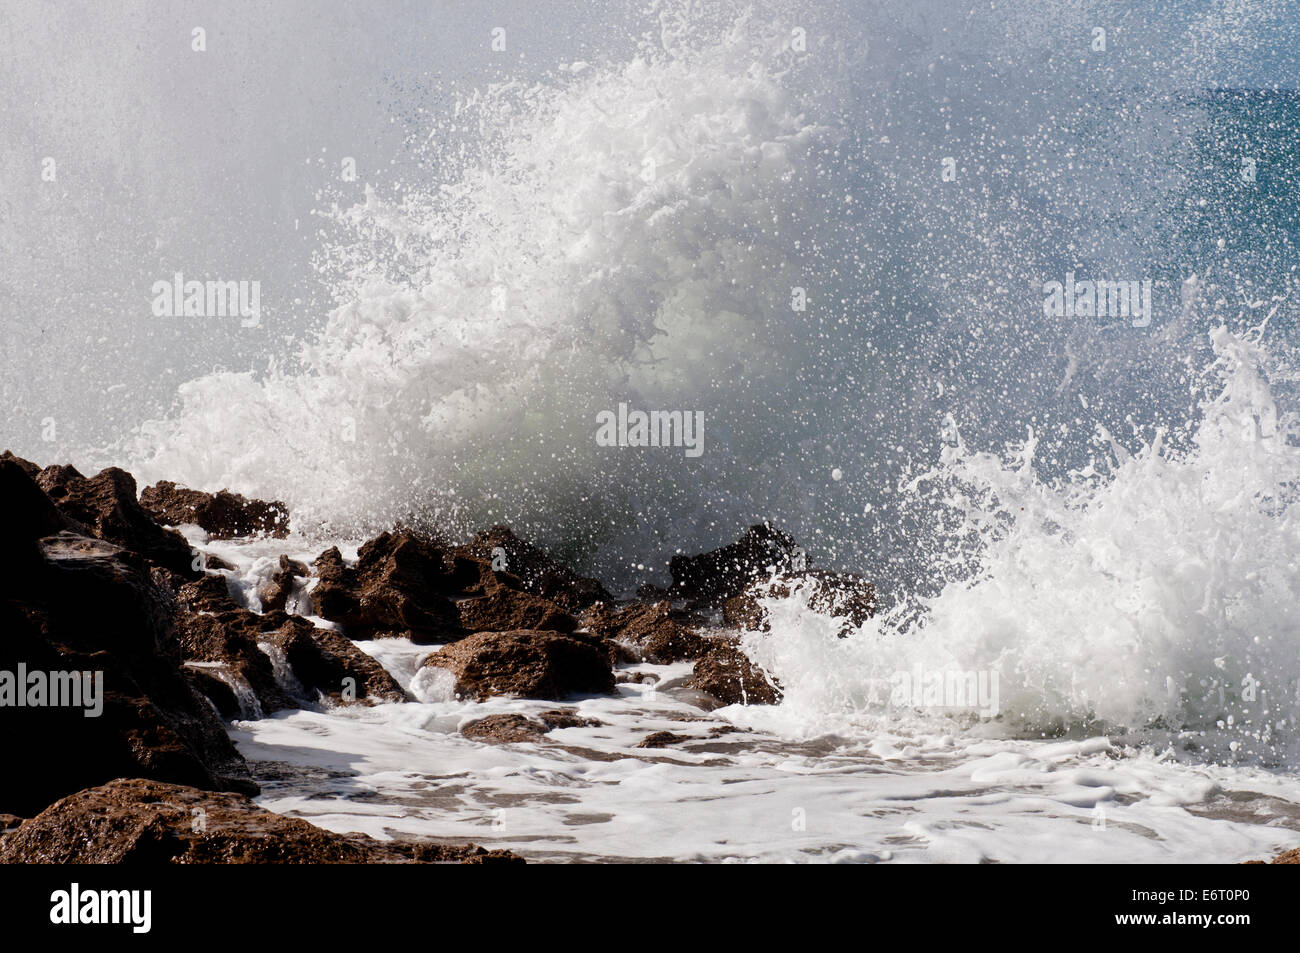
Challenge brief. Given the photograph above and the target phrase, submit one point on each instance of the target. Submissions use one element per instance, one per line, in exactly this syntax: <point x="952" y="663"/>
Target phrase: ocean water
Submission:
<point x="1094" y="515"/>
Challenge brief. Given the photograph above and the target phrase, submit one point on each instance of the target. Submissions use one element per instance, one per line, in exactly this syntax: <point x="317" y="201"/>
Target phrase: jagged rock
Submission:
<point x="326" y="662"/>
<point x="661" y="631"/>
<point x="212" y="628"/>
<point x="222" y="515"/>
<point x="503" y="609"/>
<point x="841" y="595"/>
<point x="713" y="577"/>
<point x="106" y="504"/>
<point x="531" y="664"/>
<point x="728" y="675"/>
<point x="538" y="572"/>
<point x="399" y="586"/>
<point x="662" y="739"/>
<point x="74" y="604"/>
<point x="137" y="821"/>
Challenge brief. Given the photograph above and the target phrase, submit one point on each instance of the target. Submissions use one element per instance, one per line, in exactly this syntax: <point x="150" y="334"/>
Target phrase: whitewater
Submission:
<point x="1106" y="517"/>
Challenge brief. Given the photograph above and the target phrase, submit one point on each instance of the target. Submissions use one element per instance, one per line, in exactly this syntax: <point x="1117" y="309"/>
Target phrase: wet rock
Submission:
<point x="106" y="504"/>
<point x="728" y="675"/>
<point x="137" y="821"/>
<point x="661" y="631"/>
<point x="222" y="515"/>
<point x="399" y="587"/>
<point x="841" y="595"/>
<point x="567" y="718"/>
<point x="503" y="609"/>
<point x="326" y="662"/>
<point x="527" y="663"/>
<point x="504" y="729"/>
<point x="1286" y="857"/>
<point x="539" y="574"/>
<point x="82" y="604"/>
<point x="662" y="739"/>
<point x="275" y="594"/>
<point x="213" y="629"/>
<point x="713" y="577"/>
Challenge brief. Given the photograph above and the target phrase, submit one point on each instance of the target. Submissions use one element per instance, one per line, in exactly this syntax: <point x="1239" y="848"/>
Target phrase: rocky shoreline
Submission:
<point x="97" y="580"/>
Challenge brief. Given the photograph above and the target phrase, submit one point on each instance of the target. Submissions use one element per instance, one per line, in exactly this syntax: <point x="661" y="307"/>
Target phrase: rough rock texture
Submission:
<point x="399" y="586"/>
<point x="662" y="739"/>
<point x="728" y="675"/>
<point x="213" y="631"/>
<point x="138" y="821"/>
<point x="841" y="595"/>
<point x="503" y="609"/>
<point x="528" y="663"/>
<point x="504" y="729"/>
<point x="567" y="718"/>
<point x="1286" y="857"/>
<point x="662" y="633"/>
<point x="713" y="577"/>
<point x="106" y="504"/>
<point x="222" y="515"/>
<point x="71" y="603"/>
<point x="538" y="572"/>
<point x="326" y="662"/>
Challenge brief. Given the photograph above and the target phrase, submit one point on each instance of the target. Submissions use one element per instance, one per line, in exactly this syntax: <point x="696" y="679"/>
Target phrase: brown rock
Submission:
<point x="728" y="675"/>
<point x="567" y="718"/>
<point x="660" y="630"/>
<point x="106" y="503"/>
<point x="502" y="609"/>
<point x="528" y="663"/>
<point x="326" y="662"/>
<point x="275" y="594"/>
<point x="399" y="586"/>
<point x="713" y="577"/>
<point x="222" y="515"/>
<point x="147" y="822"/>
<point x="504" y="729"/>
<point x="662" y="739"/>
<point x="537" y="571"/>
<point x="841" y="595"/>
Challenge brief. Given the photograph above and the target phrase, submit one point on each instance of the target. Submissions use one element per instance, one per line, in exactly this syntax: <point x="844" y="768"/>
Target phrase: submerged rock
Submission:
<point x="222" y="515"/>
<point x="137" y="821"/>
<point x="527" y="663"/>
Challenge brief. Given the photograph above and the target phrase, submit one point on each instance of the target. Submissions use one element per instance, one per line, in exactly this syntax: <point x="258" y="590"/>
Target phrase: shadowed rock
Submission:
<point x="137" y="821"/>
<point x="713" y="577"/>
<point x="503" y="609"/>
<point x="538" y="573"/>
<point x="841" y="595"/>
<point x="106" y="504"/>
<point x="222" y="515"/>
